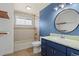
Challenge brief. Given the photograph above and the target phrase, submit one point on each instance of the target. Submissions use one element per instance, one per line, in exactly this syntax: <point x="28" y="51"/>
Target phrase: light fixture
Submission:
<point x="56" y="8"/>
<point x="70" y="3"/>
<point x="62" y="5"/>
<point x="28" y="7"/>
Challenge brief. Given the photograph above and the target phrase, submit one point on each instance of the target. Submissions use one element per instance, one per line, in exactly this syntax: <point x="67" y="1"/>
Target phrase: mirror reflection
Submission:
<point x="67" y="20"/>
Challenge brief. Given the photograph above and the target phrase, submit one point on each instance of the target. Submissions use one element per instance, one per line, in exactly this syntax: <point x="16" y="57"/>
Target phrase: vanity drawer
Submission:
<point x="57" y="46"/>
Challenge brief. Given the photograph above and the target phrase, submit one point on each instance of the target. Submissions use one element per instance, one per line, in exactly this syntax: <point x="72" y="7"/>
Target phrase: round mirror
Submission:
<point x="67" y="20"/>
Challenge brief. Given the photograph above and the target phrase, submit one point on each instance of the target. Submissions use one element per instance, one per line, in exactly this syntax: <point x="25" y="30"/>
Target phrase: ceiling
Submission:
<point x="35" y="7"/>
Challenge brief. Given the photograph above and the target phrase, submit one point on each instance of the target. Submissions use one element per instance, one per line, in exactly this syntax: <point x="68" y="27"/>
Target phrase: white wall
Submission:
<point x="7" y="41"/>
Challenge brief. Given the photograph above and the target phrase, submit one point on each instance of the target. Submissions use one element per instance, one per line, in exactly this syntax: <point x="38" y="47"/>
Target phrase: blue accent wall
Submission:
<point x="47" y="18"/>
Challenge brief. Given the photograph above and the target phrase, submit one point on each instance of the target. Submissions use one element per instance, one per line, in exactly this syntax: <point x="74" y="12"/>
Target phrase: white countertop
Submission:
<point x="66" y="42"/>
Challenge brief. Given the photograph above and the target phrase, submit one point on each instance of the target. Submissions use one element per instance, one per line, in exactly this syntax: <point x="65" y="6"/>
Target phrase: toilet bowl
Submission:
<point x="36" y="43"/>
<point x="36" y="46"/>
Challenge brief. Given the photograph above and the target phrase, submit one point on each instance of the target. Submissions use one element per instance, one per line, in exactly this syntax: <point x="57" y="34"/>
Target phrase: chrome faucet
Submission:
<point x="62" y="36"/>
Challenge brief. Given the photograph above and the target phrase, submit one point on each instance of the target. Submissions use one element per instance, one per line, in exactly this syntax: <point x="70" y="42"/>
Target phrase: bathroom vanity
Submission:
<point x="59" y="47"/>
<point x="64" y="21"/>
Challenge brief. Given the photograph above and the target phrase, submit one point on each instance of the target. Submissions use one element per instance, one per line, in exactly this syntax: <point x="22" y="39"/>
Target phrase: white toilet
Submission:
<point x="36" y="46"/>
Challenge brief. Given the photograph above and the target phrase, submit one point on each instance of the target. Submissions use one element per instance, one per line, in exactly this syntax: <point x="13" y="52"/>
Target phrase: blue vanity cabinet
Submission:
<point x="54" y="52"/>
<point x="72" y="52"/>
<point x="49" y="48"/>
<point x="58" y="53"/>
<point x="56" y="46"/>
<point x="43" y="47"/>
<point x="43" y="50"/>
<point x="50" y="51"/>
<point x="56" y="49"/>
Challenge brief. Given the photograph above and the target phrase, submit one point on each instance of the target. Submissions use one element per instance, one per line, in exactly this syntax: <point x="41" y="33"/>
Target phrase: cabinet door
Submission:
<point x="57" y="46"/>
<point x="43" y="50"/>
<point x="72" y="52"/>
<point x="59" y="53"/>
<point x="43" y="47"/>
<point x="49" y="51"/>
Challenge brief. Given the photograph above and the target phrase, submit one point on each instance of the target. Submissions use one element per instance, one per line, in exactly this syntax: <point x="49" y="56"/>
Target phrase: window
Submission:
<point x="20" y="21"/>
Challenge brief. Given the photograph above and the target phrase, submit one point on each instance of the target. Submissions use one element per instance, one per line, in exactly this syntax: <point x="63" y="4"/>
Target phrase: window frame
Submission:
<point x="26" y="24"/>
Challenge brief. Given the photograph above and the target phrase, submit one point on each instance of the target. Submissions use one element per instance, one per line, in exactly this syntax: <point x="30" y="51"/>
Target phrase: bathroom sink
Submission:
<point x="63" y="38"/>
<point x="67" y="37"/>
<point x="73" y="38"/>
<point x="54" y="37"/>
<point x="51" y="36"/>
<point x="71" y="41"/>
